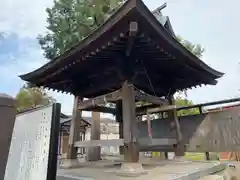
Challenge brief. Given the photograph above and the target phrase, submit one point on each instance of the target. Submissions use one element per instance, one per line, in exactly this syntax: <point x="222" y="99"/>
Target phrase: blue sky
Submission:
<point x="212" y="24"/>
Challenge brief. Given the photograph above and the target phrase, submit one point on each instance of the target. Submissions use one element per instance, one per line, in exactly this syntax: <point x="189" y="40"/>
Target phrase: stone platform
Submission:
<point x="154" y="170"/>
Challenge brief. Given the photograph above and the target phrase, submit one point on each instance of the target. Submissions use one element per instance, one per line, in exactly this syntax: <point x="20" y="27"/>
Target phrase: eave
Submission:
<point x="105" y="39"/>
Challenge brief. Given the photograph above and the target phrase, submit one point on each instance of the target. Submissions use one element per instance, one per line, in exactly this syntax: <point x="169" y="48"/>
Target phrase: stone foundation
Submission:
<point x="131" y="170"/>
<point x="70" y="163"/>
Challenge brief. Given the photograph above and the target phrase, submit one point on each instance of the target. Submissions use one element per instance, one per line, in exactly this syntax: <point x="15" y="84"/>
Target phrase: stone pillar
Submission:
<point x="8" y="115"/>
<point x="131" y="150"/>
<point x="175" y="125"/>
<point x="94" y="153"/>
<point x="74" y="134"/>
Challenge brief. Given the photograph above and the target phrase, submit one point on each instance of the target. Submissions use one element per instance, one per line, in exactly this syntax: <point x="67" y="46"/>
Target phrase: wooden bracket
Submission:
<point x="141" y="96"/>
<point x="100" y="100"/>
<point x="133" y="29"/>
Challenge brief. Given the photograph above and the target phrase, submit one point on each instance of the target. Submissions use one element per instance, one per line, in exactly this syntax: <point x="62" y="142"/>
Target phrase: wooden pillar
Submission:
<point x="94" y="153"/>
<point x="84" y="138"/>
<point x="119" y="119"/>
<point x="65" y="140"/>
<point x="207" y="156"/>
<point x="172" y="115"/>
<point x="166" y="155"/>
<point x="74" y="134"/>
<point x="131" y="150"/>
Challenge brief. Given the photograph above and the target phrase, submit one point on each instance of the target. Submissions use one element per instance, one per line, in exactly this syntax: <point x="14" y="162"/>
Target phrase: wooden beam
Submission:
<point x="156" y="149"/>
<point x="156" y="142"/>
<point x="99" y="143"/>
<point x="162" y="109"/>
<point x="141" y="96"/>
<point x="101" y="109"/>
<point x="100" y="100"/>
<point x="143" y="109"/>
<point x="143" y="142"/>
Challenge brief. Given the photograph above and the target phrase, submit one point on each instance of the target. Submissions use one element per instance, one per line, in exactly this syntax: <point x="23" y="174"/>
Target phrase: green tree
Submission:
<point x="179" y="101"/>
<point x="30" y="97"/>
<point x="196" y="49"/>
<point x="70" y="21"/>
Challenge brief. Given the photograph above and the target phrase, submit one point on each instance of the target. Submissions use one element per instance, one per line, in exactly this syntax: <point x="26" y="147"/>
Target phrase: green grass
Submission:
<point x="195" y="156"/>
<point x="200" y="156"/>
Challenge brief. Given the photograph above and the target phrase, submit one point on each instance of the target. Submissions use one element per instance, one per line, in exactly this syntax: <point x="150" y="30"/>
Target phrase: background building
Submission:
<point x="109" y="130"/>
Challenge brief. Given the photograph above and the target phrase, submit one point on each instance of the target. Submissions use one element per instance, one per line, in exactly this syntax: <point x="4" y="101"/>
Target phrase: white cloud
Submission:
<point x="25" y="63"/>
<point x="17" y="65"/>
<point x="24" y="17"/>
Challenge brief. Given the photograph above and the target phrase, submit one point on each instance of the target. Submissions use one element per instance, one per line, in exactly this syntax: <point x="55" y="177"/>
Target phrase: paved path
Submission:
<point x="68" y="178"/>
<point x="156" y="169"/>
<point x="64" y="177"/>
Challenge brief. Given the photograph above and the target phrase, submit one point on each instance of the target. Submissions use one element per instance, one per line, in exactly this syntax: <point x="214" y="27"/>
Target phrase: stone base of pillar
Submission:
<point x="131" y="170"/>
<point x="180" y="158"/>
<point x="70" y="163"/>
